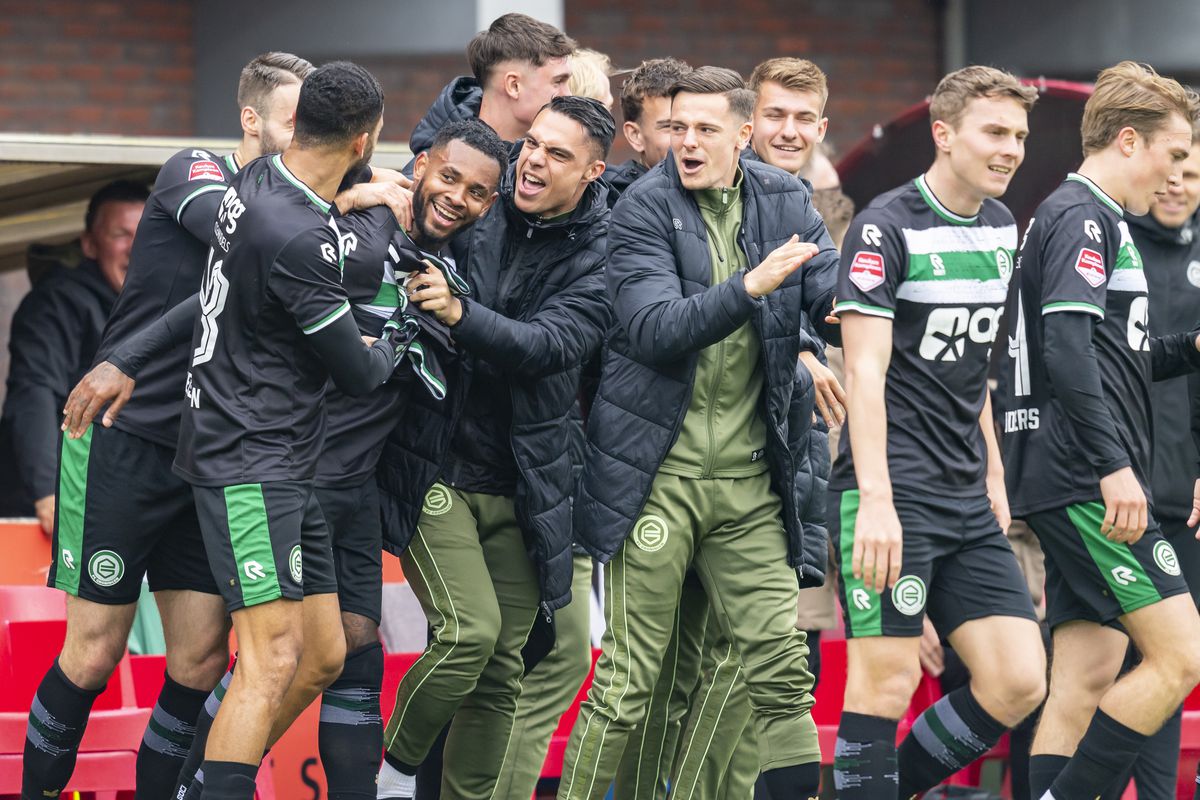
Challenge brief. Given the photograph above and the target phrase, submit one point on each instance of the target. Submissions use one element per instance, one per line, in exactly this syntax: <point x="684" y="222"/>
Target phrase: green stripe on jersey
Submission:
<point x="863" y="308"/>
<point x="1086" y="308"/>
<point x="328" y="319"/>
<point x="250" y="536"/>
<point x="979" y="266"/>
<point x="1126" y="579"/>
<point x="938" y="208"/>
<point x="864" y="606"/>
<point x="72" y="507"/>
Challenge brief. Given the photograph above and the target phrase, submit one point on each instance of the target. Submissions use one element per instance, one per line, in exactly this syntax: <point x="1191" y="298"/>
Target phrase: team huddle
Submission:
<point x="514" y="363"/>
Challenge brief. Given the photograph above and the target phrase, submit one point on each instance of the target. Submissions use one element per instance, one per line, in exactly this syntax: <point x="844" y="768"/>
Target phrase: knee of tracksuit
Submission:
<point x="473" y="646"/>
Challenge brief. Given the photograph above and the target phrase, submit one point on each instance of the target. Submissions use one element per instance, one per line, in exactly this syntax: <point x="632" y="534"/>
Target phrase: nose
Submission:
<point x="689" y="137"/>
<point x="457" y="195"/>
<point x="536" y="156"/>
<point x="789" y="129"/>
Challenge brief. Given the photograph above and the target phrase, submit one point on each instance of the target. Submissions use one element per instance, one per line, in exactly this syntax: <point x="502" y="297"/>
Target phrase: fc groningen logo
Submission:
<point x="908" y="595"/>
<point x="296" y="565"/>
<point x="106" y="568"/>
<point x="1165" y="558"/>
<point x="437" y="501"/>
<point x="650" y="533"/>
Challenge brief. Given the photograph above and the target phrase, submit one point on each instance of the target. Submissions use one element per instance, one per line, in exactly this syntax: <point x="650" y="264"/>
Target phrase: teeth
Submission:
<point x="787" y="149"/>
<point x="534" y="181"/>
<point x="1001" y="170"/>
<point x="442" y="212"/>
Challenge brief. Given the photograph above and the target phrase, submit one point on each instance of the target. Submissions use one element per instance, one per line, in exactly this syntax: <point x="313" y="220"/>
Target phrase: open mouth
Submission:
<point x="531" y="184"/>
<point x="691" y="165"/>
<point x="787" y="148"/>
<point x="443" y="214"/>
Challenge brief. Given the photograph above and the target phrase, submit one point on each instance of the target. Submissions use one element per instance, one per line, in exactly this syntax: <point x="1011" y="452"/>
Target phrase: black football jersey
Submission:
<point x="941" y="278"/>
<point x="165" y="268"/>
<point x="1077" y="255"/>
<point x="255" y="387"/>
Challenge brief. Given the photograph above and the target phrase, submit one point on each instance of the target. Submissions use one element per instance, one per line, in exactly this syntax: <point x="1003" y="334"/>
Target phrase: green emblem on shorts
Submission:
<point x="296" y="565"/>
<point x="1165" y="558"/>
<point x="437" y="501"/>
<point x="650" y="533"/>
<point x="908" y="595"/>
<point x="106" y="568"/>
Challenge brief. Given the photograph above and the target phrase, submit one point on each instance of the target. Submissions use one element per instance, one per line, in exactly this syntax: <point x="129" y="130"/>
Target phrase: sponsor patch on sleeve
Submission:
<point x="1090" y="266"/>
<point x="866" y="270"/>
<point x="205" y="170"/>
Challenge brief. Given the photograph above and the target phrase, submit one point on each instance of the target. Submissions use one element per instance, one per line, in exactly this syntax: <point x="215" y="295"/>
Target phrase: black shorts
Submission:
<point x="1091" y="578"/>
<point x="121" y="514"/>
<point x="956" y="565"/>
<point x="352" y="515"/>
<point x="265" y="541"/>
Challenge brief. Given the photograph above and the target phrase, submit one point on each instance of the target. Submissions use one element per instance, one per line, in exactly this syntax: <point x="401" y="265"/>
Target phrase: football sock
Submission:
<point x="228" y="780"/>
<point x="1107" y="750"/>
<point x="864" y="763"/>
<point x="57" y="718"/>
<point x="951" y="734"/>
<point x="168" y="739"/>
<point x="350" y="734"/>
<point x="187" y="787"/>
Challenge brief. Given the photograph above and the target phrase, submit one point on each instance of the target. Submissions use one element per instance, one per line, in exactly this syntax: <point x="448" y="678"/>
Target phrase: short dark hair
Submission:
<point x="338" y="101"/>
<point x="653" y="78"/>
<point x="115" y="192"/>
<point x="475" y="133"/>
<point x="267" y="72"/>
<point x="516" y="37"/>
<point x="592" y="116"/>
<point x="718" y="80"/>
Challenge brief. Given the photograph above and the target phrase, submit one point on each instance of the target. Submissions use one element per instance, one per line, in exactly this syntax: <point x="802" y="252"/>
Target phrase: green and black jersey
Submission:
<point x="941" y="278"/>
<point x="1076" y="256"/>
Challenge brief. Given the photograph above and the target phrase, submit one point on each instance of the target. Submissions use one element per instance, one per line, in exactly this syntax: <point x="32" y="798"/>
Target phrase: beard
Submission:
<point x="420" y="233"/>
<point x="269" y="144"/>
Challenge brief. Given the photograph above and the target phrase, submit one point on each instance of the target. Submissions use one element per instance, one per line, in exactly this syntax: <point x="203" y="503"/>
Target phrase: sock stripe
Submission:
<point x="167" y="734"/>
<point x="946" y="737"/>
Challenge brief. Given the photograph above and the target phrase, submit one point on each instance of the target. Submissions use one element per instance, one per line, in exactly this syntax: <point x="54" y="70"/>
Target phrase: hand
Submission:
<point x="931" y="654"/>
<point x="783" y="261"/>
<point x="831" y="397"/>
<point x="1124" y="506"/>
<point x="369" y="340"/>
<point x="832" y="318"/>
<point x="1194" y="518"/>
<point x="998" y="499"/>
<point x="368" y="195"/>
<point x="105" y="384"/>
<point x="433" y="295"/>
<point x="878" y="542"/>
<point x="385" y="175"/>
<point x="44" y="508"/>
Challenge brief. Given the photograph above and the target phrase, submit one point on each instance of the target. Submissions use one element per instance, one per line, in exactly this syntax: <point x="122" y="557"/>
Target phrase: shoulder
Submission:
<point x="192" y="164"/>
<point x="763" y="179"/>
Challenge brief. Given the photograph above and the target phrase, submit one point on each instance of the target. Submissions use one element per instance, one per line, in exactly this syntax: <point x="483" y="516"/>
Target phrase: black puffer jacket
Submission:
<point x="658" y="275"/>
<point x="532" y="338"/>
<point x="620" y="177"/>
<point x="1171" y="258"/>
<point x="459" y="99"/>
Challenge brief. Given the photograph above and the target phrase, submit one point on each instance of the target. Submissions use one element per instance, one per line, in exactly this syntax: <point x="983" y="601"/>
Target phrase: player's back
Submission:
<point x="1076" y="256"/>
<point x="255" y="386"/>
<point x="166" y="265"/>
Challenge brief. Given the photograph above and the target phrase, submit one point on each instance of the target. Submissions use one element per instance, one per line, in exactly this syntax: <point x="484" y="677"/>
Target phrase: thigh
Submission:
<point x="511" y="569"/>
<point x="981" y="578"/>
<point x="193" y="622"/>
<point x="253" y="535"/>
<point x="900" y="611"/>
<point x="356" y="536"/>
<point x="1109" y="578"/>
<point x="995" y="647"/>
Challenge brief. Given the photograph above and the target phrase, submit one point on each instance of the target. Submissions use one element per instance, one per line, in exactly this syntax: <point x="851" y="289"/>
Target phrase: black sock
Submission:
<point x="864" y="765"/>
<point x="1107" y="750"/>
<point x="57" y="718"/>
<point x="1043" y="770"/>
<point x="350" y="735"/>
<point x="1156" y="769"/>
<point x="168" y="739"/>
<point x="228" y="780"/>
<point x="186" y="785"/>
<point x="951" y="734"/>
<point x="800" y="782"/>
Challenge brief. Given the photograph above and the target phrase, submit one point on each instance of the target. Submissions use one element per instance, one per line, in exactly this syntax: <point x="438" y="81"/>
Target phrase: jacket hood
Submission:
<point x="1153" y="229"/>
<point x="459" y="99"/>
<point x="593" y="204"/>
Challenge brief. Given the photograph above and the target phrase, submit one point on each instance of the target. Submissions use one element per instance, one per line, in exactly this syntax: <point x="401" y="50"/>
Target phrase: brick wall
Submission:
<point x="96" y="66"/>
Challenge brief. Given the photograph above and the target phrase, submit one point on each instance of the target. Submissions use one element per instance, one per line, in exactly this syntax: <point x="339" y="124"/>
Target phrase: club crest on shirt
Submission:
<point x="866" y="270"/>
<point x="1090" y="266"/>
<point x="1193" y="273"/>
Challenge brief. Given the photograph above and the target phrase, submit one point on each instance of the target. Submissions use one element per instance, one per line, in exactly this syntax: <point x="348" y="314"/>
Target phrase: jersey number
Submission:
<point x="213" y="294"/>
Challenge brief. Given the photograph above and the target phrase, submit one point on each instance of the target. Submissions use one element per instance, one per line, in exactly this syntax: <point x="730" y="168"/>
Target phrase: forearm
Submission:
<point x="1070" y="358"/>
<point x="538" y="347"/>
<point x="1174" y="355"/>
<point x="354" y="367"/>
<point x="995" y="465"/>
<point x="867" y="412"/>
<point x="674" y="328"/>
<point x="35" y="421"/>
<point x="171" y="329"/>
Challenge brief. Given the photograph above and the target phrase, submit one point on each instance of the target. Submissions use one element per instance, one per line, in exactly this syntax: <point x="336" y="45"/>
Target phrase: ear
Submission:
<point x="88" y="245"/>
<point x="822" y="127"/>
<point x="510" y="83"/>
<point x="594" y="171"/>
<point x="420" y="164"/>
<point x="488" y="204"/>
<point x="360" y="143"/>
<point x="250" y="121"/>
<point x="633" y="135"/>
<point x="943" y="135"/>
<point x="744" y="134"/>
<point x="1127" y="140"/>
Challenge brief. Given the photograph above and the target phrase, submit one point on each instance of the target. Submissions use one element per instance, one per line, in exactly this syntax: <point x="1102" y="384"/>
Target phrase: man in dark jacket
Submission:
<point x="695" y="437"/>
<point x="55" y="333"/>
<point x="646" y="107"/>
<point x="518" y="64"/>
<point x="489" y="544"/>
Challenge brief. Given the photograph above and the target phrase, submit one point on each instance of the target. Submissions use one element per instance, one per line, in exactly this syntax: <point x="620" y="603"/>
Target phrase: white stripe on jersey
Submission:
<point x="1127" y="280"/>
<point x="959" y="239"/>
<point x="956" y="292"/>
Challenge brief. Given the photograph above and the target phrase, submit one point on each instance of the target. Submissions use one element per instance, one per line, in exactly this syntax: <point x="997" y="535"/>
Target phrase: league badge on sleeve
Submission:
<point x="866" y="270"/>
<point x="205" y="170"/>
<point x="1090" y="266"/>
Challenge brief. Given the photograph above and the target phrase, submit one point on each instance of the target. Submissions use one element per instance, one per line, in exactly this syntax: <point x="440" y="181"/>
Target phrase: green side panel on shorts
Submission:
<point x="1126" y="578"/>
<point x="72" y="504"/>
<point x="863" y="621"/>
<point x="250" y="534"/>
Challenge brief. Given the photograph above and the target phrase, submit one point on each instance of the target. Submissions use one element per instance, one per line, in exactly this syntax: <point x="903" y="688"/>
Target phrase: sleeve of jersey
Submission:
<point x="873" y="265"/>
<point x="1076" y="255"/>
<point x="307" y="279"/>
<point x="192" y="179"/>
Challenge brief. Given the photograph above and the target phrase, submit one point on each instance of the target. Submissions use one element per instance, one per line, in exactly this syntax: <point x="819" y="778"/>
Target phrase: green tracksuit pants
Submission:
<point x="467" y="565"/>
<point x="730" y="530"/>
<point x="547" y="691"/>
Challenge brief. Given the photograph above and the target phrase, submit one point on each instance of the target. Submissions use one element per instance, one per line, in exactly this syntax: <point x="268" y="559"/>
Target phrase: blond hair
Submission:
<point x="960" y="87"/>
<point x="590" y="71"/>
<point x="1135" y="96"/>
<point x="796" y="74"/>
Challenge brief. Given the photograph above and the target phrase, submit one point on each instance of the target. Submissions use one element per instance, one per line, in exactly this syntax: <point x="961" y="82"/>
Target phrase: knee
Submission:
<point x="1178" y="666"/>
<point x="270" y="672"/>
<point x="882" y="690"/>
<point x="360" y="631"/>
<point x="324" y="663"/>
<point x="202" y="663"/>
<point x="1014" y="696"/>
<point x="90" y="667"/>
<point x="474" y="644"/>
